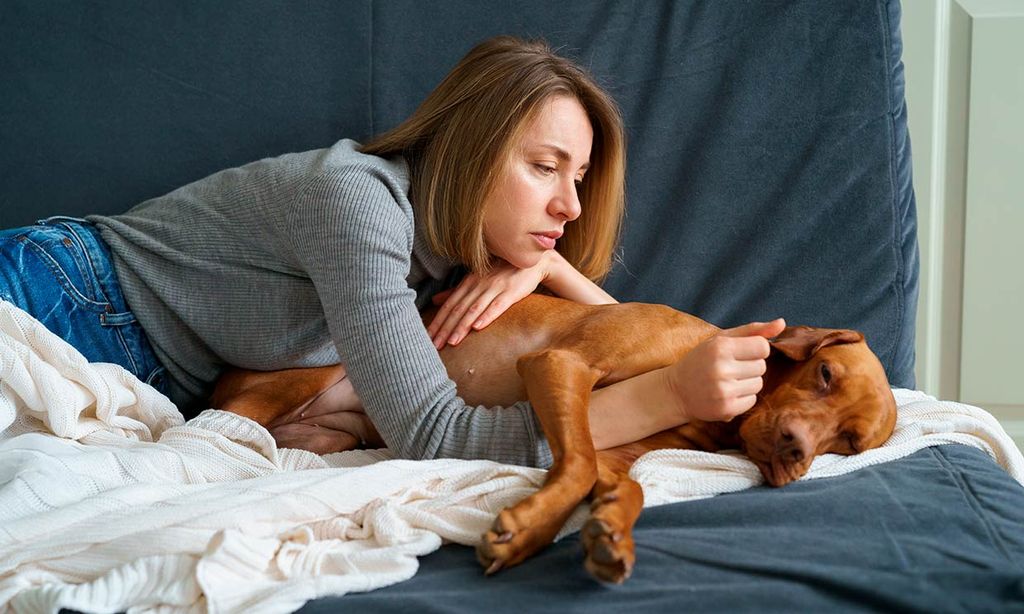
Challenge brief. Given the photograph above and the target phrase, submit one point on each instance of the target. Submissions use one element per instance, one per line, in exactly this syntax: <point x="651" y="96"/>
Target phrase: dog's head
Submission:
<point x="825" y="392"/>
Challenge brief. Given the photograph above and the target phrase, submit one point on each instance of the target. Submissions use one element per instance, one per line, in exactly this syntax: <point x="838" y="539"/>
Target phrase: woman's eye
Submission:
<point x="547" y="170"/>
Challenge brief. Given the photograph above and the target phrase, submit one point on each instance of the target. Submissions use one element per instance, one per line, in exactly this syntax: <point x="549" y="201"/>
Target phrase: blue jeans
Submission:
<point x="62" y="273"/>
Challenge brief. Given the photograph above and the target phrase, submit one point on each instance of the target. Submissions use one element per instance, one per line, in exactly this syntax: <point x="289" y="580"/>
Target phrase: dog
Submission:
<point x="824" y="392"/>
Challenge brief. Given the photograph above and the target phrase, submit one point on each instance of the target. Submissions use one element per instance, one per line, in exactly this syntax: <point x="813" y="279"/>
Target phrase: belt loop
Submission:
<point x="117" y="319"/>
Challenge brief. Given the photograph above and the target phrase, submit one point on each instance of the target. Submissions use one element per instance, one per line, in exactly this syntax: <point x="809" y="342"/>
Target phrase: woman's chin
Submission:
<point x="524" y="260"/>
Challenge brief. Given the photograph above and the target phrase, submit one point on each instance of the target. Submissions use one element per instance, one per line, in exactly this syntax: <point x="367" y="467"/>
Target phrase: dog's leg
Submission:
<point x="558" y="383"/>
<point x="617" y="499"/>
<point x="601" y="349"/>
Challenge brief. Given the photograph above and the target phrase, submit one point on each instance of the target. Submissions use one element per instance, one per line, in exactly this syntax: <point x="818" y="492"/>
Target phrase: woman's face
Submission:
<point x="535" y="193"/>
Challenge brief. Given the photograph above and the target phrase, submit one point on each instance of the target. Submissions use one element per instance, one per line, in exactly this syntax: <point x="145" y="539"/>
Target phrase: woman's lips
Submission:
<point x="545" y="241"/>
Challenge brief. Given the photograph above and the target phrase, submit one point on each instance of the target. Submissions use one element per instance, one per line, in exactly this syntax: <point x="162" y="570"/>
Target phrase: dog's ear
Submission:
<point x="801" y="342"/>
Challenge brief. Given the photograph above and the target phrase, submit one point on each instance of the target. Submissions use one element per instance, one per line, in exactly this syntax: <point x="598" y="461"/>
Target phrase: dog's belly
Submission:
<point x="488" y="383"/>
<point x="483" y="366"/>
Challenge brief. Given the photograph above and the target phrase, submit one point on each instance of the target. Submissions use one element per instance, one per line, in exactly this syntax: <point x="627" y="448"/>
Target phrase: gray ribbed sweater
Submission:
<point x="307" y="259"/>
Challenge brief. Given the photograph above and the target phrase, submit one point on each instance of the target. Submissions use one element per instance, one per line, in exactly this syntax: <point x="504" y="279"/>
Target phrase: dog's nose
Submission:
<point x="794" y="441"/>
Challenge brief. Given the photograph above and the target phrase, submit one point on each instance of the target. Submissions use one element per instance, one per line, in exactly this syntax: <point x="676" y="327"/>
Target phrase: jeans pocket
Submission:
<point x="61" y="273"/>
<point x="64" y="259"/>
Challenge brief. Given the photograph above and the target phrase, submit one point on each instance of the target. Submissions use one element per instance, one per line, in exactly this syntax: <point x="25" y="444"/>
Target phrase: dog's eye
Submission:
<point x="826" y="375"/>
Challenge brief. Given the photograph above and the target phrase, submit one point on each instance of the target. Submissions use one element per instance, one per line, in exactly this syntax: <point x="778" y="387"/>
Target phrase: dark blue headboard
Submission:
<point x="769" y="165"/>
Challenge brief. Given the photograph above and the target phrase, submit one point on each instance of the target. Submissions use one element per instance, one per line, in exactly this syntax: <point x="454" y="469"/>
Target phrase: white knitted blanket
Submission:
<point x="109" y="502"/>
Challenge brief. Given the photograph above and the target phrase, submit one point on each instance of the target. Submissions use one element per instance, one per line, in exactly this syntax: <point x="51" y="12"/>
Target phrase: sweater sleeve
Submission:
<point x="355" y="242"/>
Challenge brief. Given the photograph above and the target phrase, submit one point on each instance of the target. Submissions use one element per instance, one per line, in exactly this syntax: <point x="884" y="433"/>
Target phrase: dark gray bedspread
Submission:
<point x="941" y="530"/>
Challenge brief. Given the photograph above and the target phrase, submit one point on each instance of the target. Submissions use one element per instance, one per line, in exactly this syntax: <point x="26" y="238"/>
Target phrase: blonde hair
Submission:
<point x="462" y="135"/>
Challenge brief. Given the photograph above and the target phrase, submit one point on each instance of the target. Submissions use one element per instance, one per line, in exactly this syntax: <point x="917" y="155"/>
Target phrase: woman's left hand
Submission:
<point x="478" y="300"/>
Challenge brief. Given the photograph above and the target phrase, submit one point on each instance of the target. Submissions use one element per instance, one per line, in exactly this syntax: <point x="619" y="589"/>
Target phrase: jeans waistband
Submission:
<point x="83" y="230"/>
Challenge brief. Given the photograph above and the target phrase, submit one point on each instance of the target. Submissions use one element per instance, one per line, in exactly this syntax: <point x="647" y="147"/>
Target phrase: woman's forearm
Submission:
<point x="565" y="281"/>
<point x="629" y="410"/>
<point x="634" y="408"/>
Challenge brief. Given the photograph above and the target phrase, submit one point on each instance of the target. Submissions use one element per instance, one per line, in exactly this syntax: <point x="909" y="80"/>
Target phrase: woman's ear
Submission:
<point x="801" y="342"/>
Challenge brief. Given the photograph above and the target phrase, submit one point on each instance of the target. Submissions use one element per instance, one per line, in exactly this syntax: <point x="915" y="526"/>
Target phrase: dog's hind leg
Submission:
<point x="617" y="500"/>
<point x="607" y="535"/>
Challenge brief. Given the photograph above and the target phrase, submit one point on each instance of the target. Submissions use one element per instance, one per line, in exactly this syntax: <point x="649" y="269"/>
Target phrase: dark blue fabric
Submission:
<point x="769" y="166"/>
<point x="75" y="293"/>
<point x="937" y="531"/>
<point x="108" y="104"/>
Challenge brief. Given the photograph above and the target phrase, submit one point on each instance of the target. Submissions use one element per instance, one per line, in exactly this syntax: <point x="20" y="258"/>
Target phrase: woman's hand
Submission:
<point x="720" y="378"/>
<point x="478" y="300"/>
<point x="334" y="422"/>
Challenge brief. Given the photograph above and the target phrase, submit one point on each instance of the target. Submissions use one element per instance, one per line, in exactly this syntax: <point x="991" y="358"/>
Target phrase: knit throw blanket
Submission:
<point x="110" y="502"/>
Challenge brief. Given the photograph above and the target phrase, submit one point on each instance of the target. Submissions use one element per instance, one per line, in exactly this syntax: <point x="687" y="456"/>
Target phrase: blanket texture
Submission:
<point x="109" y="501"/>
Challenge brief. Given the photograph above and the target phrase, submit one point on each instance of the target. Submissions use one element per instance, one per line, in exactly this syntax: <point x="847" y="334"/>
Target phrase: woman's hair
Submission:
<point x="465" y="132"/>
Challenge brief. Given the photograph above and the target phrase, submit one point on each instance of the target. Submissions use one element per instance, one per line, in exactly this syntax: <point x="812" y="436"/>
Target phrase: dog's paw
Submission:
<point x="509" y="542"/>
<point x="610" y="553"/>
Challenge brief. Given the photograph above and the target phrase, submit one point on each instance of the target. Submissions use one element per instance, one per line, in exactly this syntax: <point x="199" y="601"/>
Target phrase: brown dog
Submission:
<point x="824" y="392"/>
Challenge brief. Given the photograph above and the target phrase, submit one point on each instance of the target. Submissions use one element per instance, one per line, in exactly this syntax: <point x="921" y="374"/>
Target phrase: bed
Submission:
<point x="769" y="175"/>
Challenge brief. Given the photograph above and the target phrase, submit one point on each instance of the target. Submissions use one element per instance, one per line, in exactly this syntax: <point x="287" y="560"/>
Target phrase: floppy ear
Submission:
<point x="801" y="342"/>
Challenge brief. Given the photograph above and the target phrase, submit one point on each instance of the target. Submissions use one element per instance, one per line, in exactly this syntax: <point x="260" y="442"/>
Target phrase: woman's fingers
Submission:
<point x="452" y="319"/>
<point x="766" y="330"/>
<point x="727" y="375"/>
<point x="464" y="307"/>
<point x="498" y="306"/>
<point x="739" y="405"/>
<point x="469" y="317"/>
<point x="747" y="387"/>
<point x="477" y="301"/>
<point x="744" y="369"/>
<point x="452" y="302"/>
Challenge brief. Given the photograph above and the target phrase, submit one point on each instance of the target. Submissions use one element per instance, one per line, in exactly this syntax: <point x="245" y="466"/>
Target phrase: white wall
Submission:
<point x="965" y="95"/>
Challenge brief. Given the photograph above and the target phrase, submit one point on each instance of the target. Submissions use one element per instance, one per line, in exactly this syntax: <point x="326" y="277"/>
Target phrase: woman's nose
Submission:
<point x="566" y="204"/>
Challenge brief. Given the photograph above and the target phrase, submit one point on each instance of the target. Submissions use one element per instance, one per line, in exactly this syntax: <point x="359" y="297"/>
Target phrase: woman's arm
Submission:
<point x="634" y="408"/>
<point x="565" y="281"/>
<point x="715" y="381"/>
<point x="351" y="237"/>
<point x="479" y="299"/>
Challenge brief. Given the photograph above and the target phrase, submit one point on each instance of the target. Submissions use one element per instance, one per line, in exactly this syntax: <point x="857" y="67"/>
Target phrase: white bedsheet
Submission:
<point x="109" y="501"/>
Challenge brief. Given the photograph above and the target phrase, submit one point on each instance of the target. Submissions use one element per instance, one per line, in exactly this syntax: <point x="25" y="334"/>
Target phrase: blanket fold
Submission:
<point x="109" y="501"/>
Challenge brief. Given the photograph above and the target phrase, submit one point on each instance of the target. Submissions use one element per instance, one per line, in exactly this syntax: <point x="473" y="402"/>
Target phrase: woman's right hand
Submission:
<point x="720" y="378"/>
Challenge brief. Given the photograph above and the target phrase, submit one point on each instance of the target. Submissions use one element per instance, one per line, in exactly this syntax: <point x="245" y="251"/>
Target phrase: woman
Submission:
<point x="327" y="256"/>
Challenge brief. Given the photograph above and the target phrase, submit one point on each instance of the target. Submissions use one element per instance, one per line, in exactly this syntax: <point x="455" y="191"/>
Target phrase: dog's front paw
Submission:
<point x="510" y="541"/>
